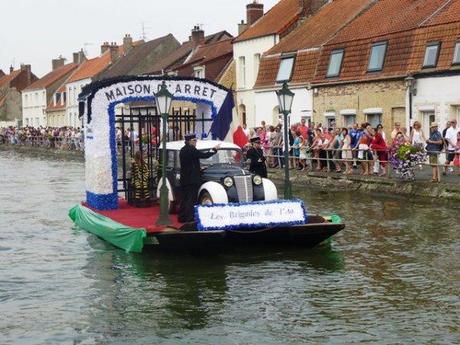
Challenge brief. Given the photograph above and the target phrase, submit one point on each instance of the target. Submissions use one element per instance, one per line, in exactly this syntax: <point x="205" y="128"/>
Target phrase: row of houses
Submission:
<point x="380" y="61"/>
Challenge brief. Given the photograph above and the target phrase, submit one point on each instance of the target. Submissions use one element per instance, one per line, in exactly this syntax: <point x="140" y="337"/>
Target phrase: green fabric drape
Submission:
<point x="121" y="236"/>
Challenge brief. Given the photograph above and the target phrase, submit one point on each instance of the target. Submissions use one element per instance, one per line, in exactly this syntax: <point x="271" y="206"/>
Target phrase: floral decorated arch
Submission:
<point x="97" y="107"/>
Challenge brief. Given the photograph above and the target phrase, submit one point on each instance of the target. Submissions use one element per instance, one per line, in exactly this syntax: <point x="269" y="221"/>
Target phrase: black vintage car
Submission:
<point x="225" y="180"/>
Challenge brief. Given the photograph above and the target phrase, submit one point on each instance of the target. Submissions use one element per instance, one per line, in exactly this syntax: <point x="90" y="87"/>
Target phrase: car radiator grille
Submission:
<point x="244" y="189"/>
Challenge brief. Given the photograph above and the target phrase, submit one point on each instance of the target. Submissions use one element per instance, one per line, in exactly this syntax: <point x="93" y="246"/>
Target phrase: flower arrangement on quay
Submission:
<point x="405" y="157"/>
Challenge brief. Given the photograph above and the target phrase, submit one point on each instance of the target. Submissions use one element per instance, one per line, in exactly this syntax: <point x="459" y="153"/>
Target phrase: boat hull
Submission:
<point x="308" y="235"/>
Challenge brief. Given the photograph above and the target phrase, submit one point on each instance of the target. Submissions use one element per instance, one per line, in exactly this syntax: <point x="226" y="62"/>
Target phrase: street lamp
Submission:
<point x="163" y="100"/>
<point x="411" y="87"/>
<point x="285" y="99"/>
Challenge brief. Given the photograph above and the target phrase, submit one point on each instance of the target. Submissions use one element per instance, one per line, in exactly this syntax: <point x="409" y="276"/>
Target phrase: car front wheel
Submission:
<point x="205" y="199"/>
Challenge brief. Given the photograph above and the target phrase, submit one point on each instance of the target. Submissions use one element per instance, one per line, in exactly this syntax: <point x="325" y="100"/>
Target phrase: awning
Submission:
<point x="373" y="111"/>
<point x="426" y="108"/>
<point x="347" y="112"/>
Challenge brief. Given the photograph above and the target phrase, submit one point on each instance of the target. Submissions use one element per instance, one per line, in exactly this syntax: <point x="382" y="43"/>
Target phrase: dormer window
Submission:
<point x="431" y="55"/>
<point x="58" y="98"/>
<point x="377" y="58"/>
<point x="457" y="53"/>
<point x="198" y="72"/>
<point x="335" y="63"/>
<point x="285" y="70"/>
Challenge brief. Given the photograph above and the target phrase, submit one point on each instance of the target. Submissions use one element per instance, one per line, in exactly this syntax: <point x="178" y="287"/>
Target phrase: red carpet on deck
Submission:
<point x="138" y="217"/>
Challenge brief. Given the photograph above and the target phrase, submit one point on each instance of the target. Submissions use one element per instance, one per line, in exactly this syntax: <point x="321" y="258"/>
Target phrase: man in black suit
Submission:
<point x="190" y="176"/>
<point x="256" y="158"/>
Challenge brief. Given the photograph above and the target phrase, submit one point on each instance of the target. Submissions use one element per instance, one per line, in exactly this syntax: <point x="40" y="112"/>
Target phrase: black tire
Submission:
<point x="205" y="198"/>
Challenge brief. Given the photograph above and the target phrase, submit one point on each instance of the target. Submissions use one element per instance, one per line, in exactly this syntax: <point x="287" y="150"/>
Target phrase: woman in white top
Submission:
<point x="417" y="138"/>
<point x="346" y="151"/>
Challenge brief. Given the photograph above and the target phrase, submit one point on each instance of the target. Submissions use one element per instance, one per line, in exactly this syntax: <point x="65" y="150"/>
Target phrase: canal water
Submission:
<point x="392" y="277"/>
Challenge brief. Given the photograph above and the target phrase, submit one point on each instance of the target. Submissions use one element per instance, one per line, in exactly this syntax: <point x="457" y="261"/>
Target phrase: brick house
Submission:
<point x="294" y="60"/>
<point x="361" y="72"/>
<point x="11" y="86"/>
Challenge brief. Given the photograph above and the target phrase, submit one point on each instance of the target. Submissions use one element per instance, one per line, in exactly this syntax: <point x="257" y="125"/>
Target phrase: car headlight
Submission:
<point x="257" y="180"/>
<point x="228" y="182"/>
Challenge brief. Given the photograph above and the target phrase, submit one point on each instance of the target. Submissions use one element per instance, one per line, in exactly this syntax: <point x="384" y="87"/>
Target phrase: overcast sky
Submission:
<point x="36" y="31"/>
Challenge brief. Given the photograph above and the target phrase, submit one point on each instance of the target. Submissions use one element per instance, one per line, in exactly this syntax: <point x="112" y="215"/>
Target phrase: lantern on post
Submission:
<point x="163" y="99"/>
<point x="285" y="99"/>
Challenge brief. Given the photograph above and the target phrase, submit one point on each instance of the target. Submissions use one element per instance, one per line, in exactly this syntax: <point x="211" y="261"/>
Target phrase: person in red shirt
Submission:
<point x="303" y="128"/>
<point x="379" y="146"/>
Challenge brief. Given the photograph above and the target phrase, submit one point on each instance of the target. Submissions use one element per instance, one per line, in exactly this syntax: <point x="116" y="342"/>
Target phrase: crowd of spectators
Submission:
<point x="357" y="148"/>
<point x="64" y="138"/>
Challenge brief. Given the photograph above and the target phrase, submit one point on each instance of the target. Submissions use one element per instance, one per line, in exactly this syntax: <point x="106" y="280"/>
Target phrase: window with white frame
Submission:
<point x="374" y="119"/>
<point x="377" y="57"/>
<point x="256" y="65"/>
<point x="285" y="70"/>
<point x="242" y="71"/>
<point x="457" y="53"/>
<point x="349" y="120"/>
<point x="198" y="72"/>
<point x="26" y="100"/>
<point x="335" y="63"/>
<point x="431" y="55"/>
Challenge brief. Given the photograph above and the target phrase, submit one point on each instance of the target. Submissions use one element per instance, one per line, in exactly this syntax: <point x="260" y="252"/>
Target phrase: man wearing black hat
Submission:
<point x="190" y="176"/>
<point x="256" y="158"/>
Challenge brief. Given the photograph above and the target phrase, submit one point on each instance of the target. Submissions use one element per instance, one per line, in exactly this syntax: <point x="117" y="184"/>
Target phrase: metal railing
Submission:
<point x="327" y="160"/>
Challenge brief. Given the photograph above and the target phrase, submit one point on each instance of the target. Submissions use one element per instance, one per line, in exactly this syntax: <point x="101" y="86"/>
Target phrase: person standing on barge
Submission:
<point x="256" y="158"/>
<point x="190" y="176"/>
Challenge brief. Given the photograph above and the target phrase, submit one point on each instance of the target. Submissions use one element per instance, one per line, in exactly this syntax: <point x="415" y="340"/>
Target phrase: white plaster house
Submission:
<point x="35" y="98"/>
<point x="258" y="35"/>
<point x="295" y="58"/>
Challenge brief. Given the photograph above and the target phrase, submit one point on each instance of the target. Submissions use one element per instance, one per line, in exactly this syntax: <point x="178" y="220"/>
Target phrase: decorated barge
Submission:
<point x="123" y="183"/>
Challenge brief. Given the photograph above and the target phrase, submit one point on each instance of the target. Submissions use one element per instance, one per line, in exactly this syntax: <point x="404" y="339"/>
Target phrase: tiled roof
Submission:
<point x="388" y="16"/>
<point x="214" y="57"/>
<point x="174" y="60"/>
<point x="279" y="18"/>
<point x="8" y="78"/>
<point x="443" y="27"/>
<point x="52" y="77"/>
<point x="312" y="33"/>
<point x="319" y="28"/>
<point x="139" y="59"/>
<point x="91" y="67"/>
<point x="2" y="74"/>
<point x="393" y="21"/>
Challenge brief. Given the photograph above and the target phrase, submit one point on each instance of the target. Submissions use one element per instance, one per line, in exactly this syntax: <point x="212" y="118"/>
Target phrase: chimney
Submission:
<point x="28" y="70"/>
<point x="114" y="51"/>
<point x="254" y="11"/>
<point x="197" y="36"/>
<point x="104" y="47"/>
<point x="310" y="7"/>
<point x="11" y="69"/>
<point x="79" y="57"/>
<point x="59" y="62"/>
<point x="127" y="43"/>
<point x="242" y="27"/>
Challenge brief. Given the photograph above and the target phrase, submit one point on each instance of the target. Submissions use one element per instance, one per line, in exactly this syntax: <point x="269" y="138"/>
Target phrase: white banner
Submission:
<point x="250" y="215"/>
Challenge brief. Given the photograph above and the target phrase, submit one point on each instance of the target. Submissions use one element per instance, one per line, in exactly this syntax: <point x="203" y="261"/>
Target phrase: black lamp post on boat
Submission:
<point x="163" y="100"/>
<point x="285" y="99"/>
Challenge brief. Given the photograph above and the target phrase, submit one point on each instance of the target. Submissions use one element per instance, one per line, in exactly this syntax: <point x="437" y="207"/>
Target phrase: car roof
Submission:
<point x="202" y="145"/>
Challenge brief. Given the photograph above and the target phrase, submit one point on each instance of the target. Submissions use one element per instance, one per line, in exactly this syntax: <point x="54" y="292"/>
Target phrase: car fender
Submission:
<point x="270" y="191"/>
<point x="170" y="193"/>
<point x="217" y="192"/>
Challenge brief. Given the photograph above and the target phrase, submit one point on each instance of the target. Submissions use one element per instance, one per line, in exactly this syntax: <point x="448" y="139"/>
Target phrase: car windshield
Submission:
<point x="223" y="156"/>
